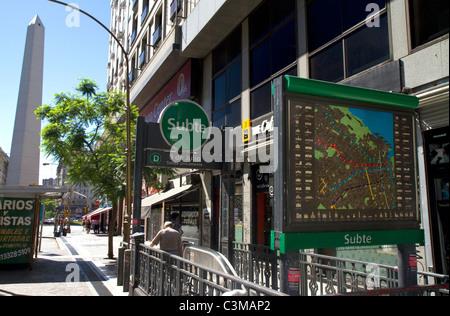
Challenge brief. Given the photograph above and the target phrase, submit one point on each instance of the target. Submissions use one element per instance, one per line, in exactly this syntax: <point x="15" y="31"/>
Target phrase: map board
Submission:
<point x="349" y="160"/>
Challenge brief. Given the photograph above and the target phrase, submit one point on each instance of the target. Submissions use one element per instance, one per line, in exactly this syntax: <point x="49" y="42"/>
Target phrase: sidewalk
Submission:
<point x="74" y="265"/>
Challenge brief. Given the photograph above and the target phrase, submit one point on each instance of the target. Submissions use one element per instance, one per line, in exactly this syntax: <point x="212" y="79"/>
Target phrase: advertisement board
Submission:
<point x="16" y="230"/>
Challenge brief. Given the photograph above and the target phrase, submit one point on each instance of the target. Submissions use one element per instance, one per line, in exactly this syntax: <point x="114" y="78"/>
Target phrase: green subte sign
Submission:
<point x="185" y="125"/>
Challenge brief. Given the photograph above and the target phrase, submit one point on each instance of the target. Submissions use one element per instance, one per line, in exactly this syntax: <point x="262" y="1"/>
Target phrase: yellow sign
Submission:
<point x="246" y="128"/>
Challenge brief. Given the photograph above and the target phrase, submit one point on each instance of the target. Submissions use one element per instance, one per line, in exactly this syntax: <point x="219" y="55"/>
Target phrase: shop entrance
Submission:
<point x="263" y="206"/>
<point x="437" y="149"/>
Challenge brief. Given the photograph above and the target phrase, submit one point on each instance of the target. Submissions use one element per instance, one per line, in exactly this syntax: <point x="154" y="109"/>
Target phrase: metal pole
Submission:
<point x="128" y="198"/>
<point x="407" y="266"/>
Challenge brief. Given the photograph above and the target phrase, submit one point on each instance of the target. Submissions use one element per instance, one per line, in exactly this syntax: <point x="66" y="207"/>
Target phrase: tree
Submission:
<point x="86" y="132"/>
<point x="50" y="208"/>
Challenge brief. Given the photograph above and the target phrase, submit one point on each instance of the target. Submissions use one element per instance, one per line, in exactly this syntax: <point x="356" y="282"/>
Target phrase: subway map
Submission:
<point x="355" y="163"/>
<point x="350" y="164"/>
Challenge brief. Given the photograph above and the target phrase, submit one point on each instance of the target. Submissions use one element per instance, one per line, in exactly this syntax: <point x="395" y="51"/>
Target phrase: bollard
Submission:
<point x="120" y="265"/>
<point x="126" y="271"/>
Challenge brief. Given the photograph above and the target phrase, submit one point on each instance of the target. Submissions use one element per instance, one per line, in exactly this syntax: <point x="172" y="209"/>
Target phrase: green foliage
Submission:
<point x="88" y="133"/>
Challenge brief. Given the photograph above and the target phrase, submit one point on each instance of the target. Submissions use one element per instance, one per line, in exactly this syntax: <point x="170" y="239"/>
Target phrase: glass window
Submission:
<point x="234" y="80"/>
<point x="324" y="22"/>
<point x="340" y="43"/>
<point x="260" y="23"/>
<point x="219" y="118"/>
<point x="284" y="47"/>
<point x="261" y="101"/>
<point x="273" y="39"/>
<point x="328" y="64"/>
<point x="367" y="47"/>
<point x="356" y="11"/>
<point x="234" y="114"/>
<point x="260" y="63"/>
<point x="220" y="97"/>
<point x="227" y="81"/>
<point x="429" y="20"/>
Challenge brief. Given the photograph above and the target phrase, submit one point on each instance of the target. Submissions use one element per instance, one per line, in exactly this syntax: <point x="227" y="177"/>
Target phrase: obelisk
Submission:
<point x="24" y="162"/>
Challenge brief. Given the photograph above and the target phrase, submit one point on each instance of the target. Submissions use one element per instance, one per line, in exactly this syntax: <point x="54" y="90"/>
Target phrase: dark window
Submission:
<point x="328" y="64"/>
<point x="219" y="118"/>
<point x="273" y="39"/>
<point x="344" y="37"/>
<point x="261" y="97"/>
<point x="234" y="114"/>
<point x="227" y="81"/>
<point x="429" y="20"/>
<point x="324" y="19"/>
<point x="261" y="100"/>
<point x="220" y="91"/>
<point x="260" y="63"/>
<point x="356" y="11"/>
<point x="367" y="47"/>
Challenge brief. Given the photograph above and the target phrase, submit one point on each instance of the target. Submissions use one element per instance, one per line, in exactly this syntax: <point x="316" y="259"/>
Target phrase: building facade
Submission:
<point x="4" y="162"/>
<point x="225" y="54"/>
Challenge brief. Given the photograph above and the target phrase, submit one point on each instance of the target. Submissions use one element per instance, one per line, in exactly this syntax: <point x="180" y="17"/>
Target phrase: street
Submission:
<point x="75" y="265"/>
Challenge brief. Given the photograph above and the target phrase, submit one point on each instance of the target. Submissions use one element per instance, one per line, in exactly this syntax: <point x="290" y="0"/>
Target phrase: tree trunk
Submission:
<point x="111" y="228"/>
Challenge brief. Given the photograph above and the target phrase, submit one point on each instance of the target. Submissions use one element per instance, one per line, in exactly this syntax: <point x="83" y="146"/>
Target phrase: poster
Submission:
<point x="16" y="229"/>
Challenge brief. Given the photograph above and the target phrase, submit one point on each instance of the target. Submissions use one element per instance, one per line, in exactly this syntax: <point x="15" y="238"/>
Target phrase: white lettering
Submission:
<point x="357" y="240"/>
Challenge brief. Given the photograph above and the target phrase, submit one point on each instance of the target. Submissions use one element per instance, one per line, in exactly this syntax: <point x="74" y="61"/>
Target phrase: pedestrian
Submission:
<point x="169" y="240"/>
<point x="88" y="226"/>
<point x="176" y="222"/>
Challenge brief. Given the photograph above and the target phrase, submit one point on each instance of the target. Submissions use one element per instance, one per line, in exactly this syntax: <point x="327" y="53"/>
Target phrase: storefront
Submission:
<point x="434" y="117"/>
<point x="182" y="200"/>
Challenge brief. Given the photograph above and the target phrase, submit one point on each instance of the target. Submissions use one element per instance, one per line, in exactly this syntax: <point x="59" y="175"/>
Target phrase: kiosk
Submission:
<point x="19" y="221"/>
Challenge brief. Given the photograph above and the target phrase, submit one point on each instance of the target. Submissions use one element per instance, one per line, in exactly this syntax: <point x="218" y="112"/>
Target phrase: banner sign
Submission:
<point x="16" y="228"/>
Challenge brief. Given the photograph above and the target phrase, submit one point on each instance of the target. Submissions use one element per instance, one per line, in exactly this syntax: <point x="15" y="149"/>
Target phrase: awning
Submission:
<point x="160" y="197"/>
<point x="97" y="213"/>
<point x="36" y="191"/>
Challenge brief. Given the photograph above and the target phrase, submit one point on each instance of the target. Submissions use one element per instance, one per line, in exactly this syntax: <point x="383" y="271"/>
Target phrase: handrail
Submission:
<point x="185" y="278"/>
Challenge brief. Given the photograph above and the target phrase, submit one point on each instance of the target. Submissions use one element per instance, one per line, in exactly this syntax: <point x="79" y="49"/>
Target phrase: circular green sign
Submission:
<point x="155" y="159"/>
<point x="185" y="125"/>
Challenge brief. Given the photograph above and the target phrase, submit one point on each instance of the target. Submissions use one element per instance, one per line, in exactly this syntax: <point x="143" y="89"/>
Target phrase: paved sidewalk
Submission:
<point x="74" y="265"/>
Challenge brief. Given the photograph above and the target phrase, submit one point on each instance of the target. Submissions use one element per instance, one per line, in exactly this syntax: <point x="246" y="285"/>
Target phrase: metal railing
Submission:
<point x="324" y="275"/>
<point x="158" y="273"/>
<point x="429" y="290"/>
<point x="257" y="264"/>
<point x="321" y="274"/>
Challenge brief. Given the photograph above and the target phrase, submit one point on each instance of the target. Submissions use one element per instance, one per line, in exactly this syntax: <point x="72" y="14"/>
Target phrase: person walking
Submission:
<point x="176" y="222"/>
<point x="88" y="226"/>
<point x="169" y="240"/>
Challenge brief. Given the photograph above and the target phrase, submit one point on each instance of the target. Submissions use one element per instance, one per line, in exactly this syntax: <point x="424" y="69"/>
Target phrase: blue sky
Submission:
<point x="71" y="53"/>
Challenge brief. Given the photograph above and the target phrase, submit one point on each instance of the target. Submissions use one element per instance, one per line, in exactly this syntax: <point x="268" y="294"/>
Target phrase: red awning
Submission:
<point x="96" y="214"/>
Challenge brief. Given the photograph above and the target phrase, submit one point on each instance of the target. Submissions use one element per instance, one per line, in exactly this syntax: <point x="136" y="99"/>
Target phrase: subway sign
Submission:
<point x="185" y="125"/>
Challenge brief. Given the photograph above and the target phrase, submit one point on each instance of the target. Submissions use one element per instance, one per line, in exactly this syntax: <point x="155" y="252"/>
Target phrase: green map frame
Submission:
<point x="339" y="173"/>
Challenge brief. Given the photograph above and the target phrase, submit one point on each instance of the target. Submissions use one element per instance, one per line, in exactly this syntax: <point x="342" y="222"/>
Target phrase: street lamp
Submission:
<point x="128" y="198"/>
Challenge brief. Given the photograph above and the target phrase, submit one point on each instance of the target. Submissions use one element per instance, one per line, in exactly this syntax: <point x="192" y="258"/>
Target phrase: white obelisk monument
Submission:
<point x="24" y="162"/>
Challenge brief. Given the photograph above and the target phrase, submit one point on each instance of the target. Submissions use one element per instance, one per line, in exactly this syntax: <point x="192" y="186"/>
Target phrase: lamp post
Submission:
<point x="128" y="198"/>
